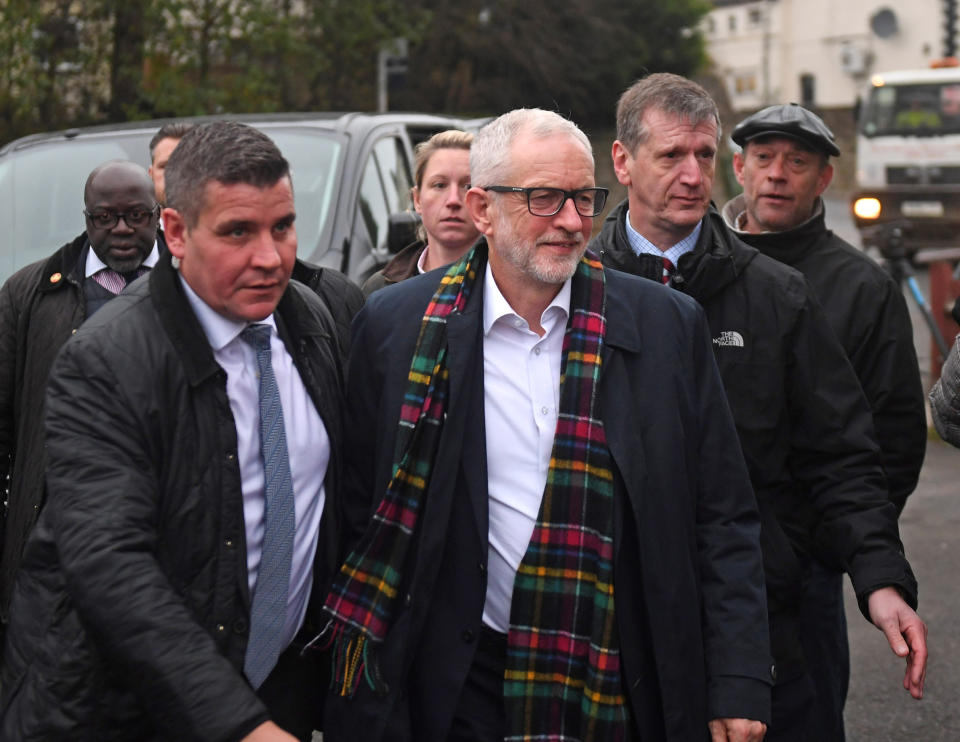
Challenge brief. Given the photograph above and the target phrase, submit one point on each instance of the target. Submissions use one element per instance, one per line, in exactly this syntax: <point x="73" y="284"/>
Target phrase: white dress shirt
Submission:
<point x="308" y="447"/>
<point x="521" y="390"/>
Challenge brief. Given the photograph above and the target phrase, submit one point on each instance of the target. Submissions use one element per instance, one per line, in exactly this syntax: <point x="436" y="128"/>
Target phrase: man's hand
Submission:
<point x="905" y="631"/>
<point x="737" y="730"/>
<point x="269" y="732"/>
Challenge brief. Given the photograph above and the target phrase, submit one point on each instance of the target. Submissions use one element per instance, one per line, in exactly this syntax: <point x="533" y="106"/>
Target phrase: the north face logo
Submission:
<point x="729" y="338"/>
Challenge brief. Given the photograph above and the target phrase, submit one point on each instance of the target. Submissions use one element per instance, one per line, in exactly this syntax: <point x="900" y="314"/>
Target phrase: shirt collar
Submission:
<point x="220" y="330"/>
<point x="640" y="244"/>
<point x="95" y="265"/>
<point x="495" y="305"/>
<point x="422" y="260"/>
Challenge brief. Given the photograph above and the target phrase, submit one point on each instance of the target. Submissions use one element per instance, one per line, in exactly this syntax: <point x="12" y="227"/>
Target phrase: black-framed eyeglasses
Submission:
<point x="549" y="201"/>
<point x="132" y="218"/>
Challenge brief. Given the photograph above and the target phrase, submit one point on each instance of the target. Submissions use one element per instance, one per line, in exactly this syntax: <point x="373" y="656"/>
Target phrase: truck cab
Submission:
<point x="908" y="158"/>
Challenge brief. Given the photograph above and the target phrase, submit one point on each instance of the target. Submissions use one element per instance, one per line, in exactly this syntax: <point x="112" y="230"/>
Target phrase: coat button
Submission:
<point x="230" y="457"/>
<point x="467" y="636"/>
<point x="228" y="543"/>
<point x="407" y="600"/>
<point x="221" y="628"/>
<point x="239" y="626"/>
<point x="773" y="673"/>
<point x="482" y="567"/>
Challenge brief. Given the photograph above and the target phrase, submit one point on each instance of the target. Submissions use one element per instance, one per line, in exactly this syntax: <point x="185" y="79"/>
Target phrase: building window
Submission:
<point x="732" y="22"/>
<point x="808" y="90"/>
<point x="709" y="25"/>
<point x="744" y="83"/>
<point x="755" y="16"/>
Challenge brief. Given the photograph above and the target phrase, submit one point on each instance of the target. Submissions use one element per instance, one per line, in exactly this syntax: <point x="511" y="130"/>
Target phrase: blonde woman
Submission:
<point x="442" y="176"/>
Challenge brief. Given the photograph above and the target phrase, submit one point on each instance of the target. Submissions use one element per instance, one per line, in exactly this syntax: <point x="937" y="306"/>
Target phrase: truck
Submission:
<point x="908" y="159"/>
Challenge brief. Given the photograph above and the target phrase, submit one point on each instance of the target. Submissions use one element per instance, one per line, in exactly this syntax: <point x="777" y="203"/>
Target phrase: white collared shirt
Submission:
<point x="422" y="261"/>
<point x="308" y="447"/>
<point x="521" y="390"/>
<point x="95" y="265"/>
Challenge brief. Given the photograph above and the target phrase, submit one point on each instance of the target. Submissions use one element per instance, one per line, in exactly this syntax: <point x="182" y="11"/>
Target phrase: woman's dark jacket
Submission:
<point x="868" y="314"/>
<point x="402" y="266"/>
<point x="804" y="425"/>
<point x="130" y="613"/>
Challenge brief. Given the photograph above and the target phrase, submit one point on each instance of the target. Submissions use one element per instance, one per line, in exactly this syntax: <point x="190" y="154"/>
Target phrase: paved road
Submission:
<point x="878" y="709"/>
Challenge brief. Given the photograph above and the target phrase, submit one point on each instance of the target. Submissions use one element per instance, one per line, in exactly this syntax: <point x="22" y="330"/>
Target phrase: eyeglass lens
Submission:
<point x="132" y="218"/>
<point x="549" y="201"/>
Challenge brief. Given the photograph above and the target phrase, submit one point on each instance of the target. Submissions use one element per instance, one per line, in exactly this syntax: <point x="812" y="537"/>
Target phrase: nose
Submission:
<point x="266" y="254"/>
<point x="454" y="195"/>
<point x="776" y="169"/>
<point x="568" y="217"/>
<point x="125" y="229"/>
<point x="690" y="173"/>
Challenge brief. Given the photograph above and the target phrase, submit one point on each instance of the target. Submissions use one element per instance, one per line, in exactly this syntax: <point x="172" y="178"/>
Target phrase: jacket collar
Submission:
<point x="403" y="265"/>
<point x="295" y="321"/>
<point x="63" y="264"/>
<point x="716" y="261"/>
<point x="788" y="246"/>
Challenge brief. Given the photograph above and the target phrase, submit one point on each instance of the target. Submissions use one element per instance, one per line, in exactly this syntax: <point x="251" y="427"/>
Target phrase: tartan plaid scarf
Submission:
<point x="362" y="600"/>
<point x="562" y="679"/>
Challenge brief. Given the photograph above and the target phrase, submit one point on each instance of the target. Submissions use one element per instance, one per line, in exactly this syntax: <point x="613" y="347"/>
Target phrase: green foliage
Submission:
<point x="69" y="62"/>
<point x="575" y="57"/>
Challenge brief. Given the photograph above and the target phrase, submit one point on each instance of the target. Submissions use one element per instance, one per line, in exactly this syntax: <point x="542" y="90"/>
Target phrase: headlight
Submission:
<point x="867" y="208"/>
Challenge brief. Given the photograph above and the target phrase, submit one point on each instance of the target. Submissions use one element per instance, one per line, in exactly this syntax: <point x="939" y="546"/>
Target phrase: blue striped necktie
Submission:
<point x="269" y="604"/>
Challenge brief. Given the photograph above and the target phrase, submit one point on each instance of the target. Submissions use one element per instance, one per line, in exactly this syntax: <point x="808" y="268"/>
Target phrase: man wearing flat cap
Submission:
<point x="784" y="168"/>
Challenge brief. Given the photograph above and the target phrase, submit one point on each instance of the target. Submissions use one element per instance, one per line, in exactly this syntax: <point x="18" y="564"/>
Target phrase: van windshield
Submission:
<point x="41" y="187"/>
<point x="928" y="109"/>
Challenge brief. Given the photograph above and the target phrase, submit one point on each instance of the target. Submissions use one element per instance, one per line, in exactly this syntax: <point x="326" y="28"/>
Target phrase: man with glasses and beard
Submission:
<point x="552" y="528"/>
<point x="41" y="306"/>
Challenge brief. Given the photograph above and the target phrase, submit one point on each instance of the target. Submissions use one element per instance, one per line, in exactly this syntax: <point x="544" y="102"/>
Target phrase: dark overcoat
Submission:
<point x="688" y="578"/>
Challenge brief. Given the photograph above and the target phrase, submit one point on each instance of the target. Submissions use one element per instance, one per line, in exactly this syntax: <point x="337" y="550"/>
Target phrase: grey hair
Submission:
<point x="490" y="153"/>
<point x="227" y="152"/>
<point x="671" y="94"/>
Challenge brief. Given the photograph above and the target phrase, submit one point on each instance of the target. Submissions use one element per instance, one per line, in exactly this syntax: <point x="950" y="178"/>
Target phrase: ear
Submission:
<point x="175" y="232"/>
<point x="622" y="160"/>
<point x="738" y="166"/>
<point x="416" y="199"/>
<point x="826" y="175"/>
<point x="478" y="207"/>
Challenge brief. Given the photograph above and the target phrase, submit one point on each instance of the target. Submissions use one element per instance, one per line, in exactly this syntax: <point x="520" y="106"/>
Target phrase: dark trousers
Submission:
<point x="792" y="707"/>
<point x="480" y="715"/>
<point x="295" y="690"/>
<point x="823" y="634"/>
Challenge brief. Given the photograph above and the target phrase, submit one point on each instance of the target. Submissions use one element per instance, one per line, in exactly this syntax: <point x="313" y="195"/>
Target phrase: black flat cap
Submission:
<point x="789" y="120"/>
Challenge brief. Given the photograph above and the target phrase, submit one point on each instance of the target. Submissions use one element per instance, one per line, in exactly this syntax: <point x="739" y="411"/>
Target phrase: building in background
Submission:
<point x="819" y="53"/>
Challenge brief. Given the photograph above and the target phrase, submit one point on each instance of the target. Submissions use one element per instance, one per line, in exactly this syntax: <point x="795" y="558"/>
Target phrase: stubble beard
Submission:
<point x="526" y="256"/>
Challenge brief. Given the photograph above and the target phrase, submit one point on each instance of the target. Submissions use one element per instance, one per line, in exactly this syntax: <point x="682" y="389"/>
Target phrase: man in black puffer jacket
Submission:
<point x="804" y="425"/>
<point x="192" y="483"/>
<point x="784" y="168"/>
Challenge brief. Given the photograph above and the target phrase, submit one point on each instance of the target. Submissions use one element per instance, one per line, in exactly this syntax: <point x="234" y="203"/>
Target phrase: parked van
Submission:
<point x="351" y="172"/>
